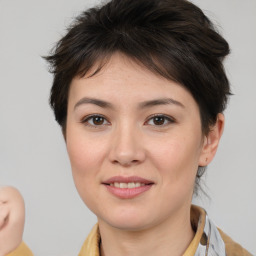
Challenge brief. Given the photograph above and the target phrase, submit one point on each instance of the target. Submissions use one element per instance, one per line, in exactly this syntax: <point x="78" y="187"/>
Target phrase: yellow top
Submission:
<point x="198" y="220"/>
<point x="91" y="244"/>
<point x="22" y="250"/>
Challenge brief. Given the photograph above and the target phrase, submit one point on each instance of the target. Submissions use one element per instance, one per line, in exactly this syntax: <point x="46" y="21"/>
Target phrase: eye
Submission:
<point x="95" y="120"/>
<point x="160" y="120"/>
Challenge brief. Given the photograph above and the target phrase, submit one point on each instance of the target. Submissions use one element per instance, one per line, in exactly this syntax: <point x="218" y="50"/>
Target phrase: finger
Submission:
<point x="4" y="213"/>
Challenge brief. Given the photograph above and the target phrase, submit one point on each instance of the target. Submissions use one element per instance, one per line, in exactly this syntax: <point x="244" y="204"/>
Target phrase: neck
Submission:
<point x="171" y="237"/>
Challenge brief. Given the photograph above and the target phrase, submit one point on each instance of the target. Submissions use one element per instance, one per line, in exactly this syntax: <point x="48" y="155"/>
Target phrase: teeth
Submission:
<point x="127" y="185"/>
<point x="123" y="185"/>
<point x="131" y="185"/>
<point x="117" y="185"/>
<point x="137" y="184"/>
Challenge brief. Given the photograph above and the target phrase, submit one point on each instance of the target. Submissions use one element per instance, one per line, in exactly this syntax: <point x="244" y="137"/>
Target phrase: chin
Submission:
<point x="126" y="220"/>
<point x="129" y="225"/>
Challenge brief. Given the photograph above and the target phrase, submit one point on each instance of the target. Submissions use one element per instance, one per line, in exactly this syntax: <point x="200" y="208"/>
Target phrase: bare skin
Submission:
<point x="12" y="217"/>
<point x="126" y="121"/>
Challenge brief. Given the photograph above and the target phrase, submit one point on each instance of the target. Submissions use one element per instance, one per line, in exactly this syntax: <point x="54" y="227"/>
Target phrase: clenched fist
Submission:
<point x="12" y="217"/>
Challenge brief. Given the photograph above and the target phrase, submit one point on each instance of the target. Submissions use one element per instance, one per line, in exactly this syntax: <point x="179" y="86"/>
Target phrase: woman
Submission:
<point x="139" y="90"/>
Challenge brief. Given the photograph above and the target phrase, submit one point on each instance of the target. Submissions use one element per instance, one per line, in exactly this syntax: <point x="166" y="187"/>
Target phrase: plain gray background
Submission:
<point x="32" y="151"/>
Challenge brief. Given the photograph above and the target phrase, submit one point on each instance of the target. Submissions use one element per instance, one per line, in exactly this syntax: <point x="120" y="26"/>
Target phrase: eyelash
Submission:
<point x="167" y="118"/>
<point x="86" y="120"/>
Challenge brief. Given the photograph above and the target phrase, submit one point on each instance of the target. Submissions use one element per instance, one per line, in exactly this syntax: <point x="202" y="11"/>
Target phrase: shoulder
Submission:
<point x="233" y="248"/>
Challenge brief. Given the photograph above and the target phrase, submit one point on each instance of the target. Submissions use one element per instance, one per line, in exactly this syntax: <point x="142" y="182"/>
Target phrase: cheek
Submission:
<point x="84" y="158"/>
<point x="177" y="160"/>
<point x="84" y="152"/>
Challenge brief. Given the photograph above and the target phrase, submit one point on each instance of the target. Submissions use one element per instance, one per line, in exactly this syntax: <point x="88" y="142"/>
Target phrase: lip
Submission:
<point x="127" y="193"/>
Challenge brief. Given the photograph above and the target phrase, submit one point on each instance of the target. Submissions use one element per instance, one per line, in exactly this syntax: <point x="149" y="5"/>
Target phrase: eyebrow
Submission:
<point x="144" y="104"/>
<point x="163" y="101"/>
<point x="100" y="103"/>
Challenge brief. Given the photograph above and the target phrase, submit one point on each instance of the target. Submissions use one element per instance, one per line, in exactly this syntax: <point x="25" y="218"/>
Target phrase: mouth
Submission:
<point x="127" y="187"/>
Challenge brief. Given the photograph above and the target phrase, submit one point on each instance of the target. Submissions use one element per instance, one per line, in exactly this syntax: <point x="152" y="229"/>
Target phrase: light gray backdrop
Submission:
<point x="32" y="151"/>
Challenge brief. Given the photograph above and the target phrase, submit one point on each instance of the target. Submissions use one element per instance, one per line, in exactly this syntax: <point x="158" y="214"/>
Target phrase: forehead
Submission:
<point x="121" y="67"/>
<point x="123" y="79"/>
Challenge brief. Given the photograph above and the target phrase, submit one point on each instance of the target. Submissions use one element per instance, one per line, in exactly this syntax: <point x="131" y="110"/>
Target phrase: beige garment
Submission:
<point x="198" y="216"/>
<point x="22" y="250"/>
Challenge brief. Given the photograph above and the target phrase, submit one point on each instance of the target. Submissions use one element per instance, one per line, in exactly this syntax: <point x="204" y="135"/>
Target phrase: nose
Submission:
<point x="127" y="146"/>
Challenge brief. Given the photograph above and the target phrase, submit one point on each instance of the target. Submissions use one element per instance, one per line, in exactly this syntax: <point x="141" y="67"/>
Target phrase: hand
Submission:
<point x="12" y="217"/>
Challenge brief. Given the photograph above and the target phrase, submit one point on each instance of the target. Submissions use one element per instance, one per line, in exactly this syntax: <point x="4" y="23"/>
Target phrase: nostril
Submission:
<point x="125" y="162"/>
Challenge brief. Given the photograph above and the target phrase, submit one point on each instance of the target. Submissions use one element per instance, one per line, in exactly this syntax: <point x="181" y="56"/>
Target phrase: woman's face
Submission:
<point x="135" y="143"/>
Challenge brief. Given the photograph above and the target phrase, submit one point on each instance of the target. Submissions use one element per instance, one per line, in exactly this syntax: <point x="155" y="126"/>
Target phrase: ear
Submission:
<point x="211" y="141"/>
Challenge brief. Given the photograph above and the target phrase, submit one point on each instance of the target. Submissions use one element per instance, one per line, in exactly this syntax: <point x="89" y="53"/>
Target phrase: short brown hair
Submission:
<point x="172" y="38"/>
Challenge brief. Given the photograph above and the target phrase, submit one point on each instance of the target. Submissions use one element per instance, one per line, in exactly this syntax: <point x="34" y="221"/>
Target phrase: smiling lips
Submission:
<point x="127" y="187"/>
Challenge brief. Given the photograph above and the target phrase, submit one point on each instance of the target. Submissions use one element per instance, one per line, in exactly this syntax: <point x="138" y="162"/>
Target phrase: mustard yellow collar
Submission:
<point x="92" y="243"/>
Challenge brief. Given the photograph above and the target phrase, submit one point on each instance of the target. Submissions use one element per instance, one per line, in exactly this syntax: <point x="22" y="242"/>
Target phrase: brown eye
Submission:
<point x="95" y="120"/>
<point x="160" y="120"/>
<point x="98" y="120"/>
